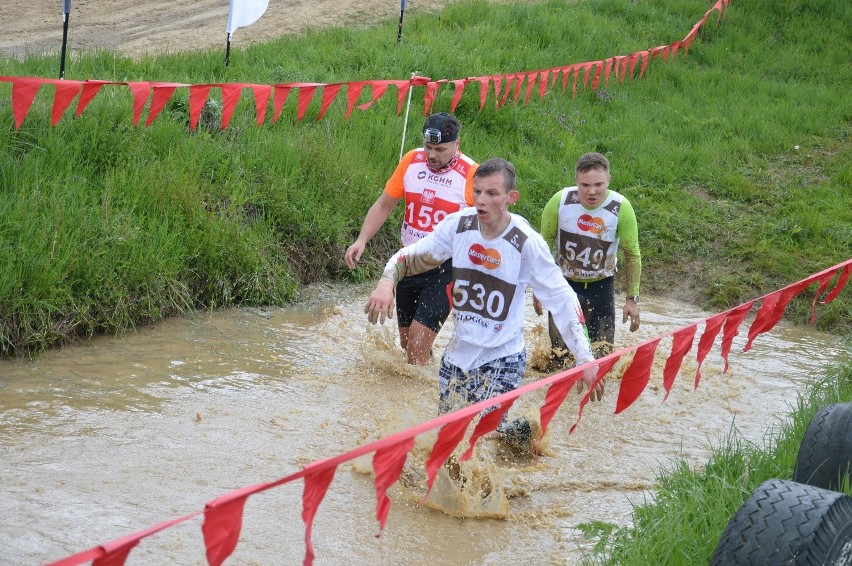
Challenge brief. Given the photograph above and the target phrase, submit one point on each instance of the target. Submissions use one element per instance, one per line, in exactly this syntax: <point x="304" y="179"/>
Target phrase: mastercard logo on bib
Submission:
<point x="486" y="257"/>
<point x="592" y="224"/>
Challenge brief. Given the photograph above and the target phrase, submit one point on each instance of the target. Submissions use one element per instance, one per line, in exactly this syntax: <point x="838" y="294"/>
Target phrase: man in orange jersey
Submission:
<point x="435" y="180"/>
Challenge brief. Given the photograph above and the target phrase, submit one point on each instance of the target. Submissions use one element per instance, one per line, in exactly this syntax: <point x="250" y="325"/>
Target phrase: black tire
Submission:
<point x="825" y="454"/>
<point x="788" y="523"/>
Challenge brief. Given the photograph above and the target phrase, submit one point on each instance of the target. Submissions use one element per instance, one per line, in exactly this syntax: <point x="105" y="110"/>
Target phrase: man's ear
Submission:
<point x="514" y="195"/>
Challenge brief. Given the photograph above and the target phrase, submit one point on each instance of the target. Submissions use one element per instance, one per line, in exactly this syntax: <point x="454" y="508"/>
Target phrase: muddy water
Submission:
<point x="108" y="438"/>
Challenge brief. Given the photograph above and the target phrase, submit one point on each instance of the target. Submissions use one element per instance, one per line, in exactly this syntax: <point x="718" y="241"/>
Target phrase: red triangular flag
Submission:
<point x="681" y="344"/>
<point x="608" y="70"/>
<point x="542" y="83"/>
<point x="597" y="78"/>
<point x="23" y="94"/>
<point x="115" y="556"/>
<point x="429" y="96"/>
<point x="223" y="520"/>
<point x="772" y="310"/>
<point x="353" y="93"/>
<point x="457" y="93"/>
<point x="637" y="375"/>
<point x="485" y="425"/>
<point x="279" y="98"/>
<point x="530" y="85"/>
<point x="65" y="93"/>
<point x="711" y="329"/>
<point x="316" y="485"/>
<point x="329" y="93"/>
<point x="162" y="93"/>
<point x="230" y="97"/>
<point x="306" y="93"/>
<point x="841" y="282"/>
<point x="90" y="89"/>
<point x="498" y="83"/>
<point x="484" y="84"/>
<point x="197" y="99"/>
<point x="732" y="323"/>
<point x="141" y="91"/>
<point x="261" y="100"/>
<point x="401" y="90"/>
<point x="448" y="438"/>
<point x="387" y="465"/>
<point x="644" y="55"/>
<point x="379" y="89"/>
<point x="553" y="399"/>
<point x="605" y="365"/>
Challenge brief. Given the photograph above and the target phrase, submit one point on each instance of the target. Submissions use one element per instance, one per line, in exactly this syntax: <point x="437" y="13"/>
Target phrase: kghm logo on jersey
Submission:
<point x="421" y="175"/>
<point x="440" y="180"/>
<point x="428" y="196"/>
<point x="486" y="257"/>
<point x="588" y="223"/>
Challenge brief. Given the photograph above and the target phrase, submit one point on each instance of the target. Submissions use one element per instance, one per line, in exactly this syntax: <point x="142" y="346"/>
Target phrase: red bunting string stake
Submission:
<point x="24" y="89"/>
<point x="223" y="516"/>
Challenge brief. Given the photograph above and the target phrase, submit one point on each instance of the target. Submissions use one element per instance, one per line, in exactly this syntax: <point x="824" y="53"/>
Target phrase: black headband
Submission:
<point x="432" y="134"/>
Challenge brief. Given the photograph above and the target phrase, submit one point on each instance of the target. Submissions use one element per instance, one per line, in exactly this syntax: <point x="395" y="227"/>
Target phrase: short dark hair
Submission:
<point x="590" y="161"/>
<point x="498" y="165"/>
<point x="447" y="124"/>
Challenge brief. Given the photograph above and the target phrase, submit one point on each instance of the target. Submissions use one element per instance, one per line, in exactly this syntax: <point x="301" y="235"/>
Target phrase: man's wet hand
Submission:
<point x="631" y="311"/>
<point x="537" y="306"/>
<point x="590" y="374"/>
<point x="381" y="302"/>
<point x="353" y="255"/>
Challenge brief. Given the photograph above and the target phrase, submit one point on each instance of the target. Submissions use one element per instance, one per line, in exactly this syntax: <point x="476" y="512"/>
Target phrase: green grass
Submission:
<point x="105" y="226"/>
<point x="691" y="507"/>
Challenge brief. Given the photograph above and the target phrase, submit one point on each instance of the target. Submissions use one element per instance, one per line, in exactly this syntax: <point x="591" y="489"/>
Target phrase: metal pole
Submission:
<point x="405" y="124"/>
<point x="228" y="50"/>
<point x="401" y="14"/>
<point x="66" y="11"/>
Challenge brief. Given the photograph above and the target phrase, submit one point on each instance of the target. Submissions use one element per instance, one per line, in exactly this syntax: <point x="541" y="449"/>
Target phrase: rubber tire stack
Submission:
<point x="801" y="522"/>
<point x="826" y="450"/>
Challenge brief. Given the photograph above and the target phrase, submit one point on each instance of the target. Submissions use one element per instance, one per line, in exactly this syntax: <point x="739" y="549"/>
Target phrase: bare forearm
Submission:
<point x="409" y="261"/>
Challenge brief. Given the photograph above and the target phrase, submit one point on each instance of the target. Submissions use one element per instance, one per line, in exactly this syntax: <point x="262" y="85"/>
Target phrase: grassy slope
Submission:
<point x="106" y="225"/>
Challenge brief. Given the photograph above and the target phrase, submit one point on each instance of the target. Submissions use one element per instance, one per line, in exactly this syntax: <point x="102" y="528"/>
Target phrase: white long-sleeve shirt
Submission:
<point x="490" y="278"/>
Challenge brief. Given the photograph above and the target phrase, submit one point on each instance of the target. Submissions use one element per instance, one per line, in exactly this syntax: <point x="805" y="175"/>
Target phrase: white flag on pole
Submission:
<point x="244" y="13"/>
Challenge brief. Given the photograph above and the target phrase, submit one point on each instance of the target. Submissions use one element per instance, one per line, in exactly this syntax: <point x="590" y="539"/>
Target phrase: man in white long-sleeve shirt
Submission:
<point x="496" y="255"/>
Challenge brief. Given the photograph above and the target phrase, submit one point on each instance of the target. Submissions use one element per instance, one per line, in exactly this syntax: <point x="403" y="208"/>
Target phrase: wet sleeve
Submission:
<point x="559" y="298"/>
<point x="550" y="220"/>
<point x="425" y="254"/>
<point x="628" y="235"/>
<point x="468" y="187"/>
<point x="395" y="186"/>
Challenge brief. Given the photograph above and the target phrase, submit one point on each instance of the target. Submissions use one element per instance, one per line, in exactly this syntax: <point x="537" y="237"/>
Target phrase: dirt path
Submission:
<point x="158" y="26"/>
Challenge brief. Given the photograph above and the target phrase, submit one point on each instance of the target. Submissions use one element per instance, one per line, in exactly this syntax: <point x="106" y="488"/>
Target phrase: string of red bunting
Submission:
<point x="223" y="516"/>
<point x="24" y="89"/>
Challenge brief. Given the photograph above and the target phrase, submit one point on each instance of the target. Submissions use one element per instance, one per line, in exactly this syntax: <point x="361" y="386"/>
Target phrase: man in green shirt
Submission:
<point x="587" y="224"/>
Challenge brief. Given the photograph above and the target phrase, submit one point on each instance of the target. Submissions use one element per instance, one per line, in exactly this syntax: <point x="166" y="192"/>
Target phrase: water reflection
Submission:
<point x="111" y="437"/>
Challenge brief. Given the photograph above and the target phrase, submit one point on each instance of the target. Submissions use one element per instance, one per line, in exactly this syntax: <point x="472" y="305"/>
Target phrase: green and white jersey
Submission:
<point x="588" y="239"/>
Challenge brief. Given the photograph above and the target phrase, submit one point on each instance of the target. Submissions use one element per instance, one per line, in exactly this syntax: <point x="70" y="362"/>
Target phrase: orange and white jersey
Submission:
<point x="490" y="278"/>
<point x="587" y="239"/>
<point x="429" y="197"/>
